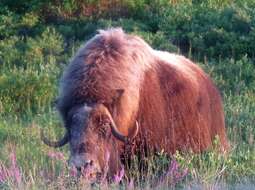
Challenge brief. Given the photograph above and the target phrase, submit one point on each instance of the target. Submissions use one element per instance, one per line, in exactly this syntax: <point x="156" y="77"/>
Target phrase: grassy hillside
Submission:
<point x="37" y="40"/>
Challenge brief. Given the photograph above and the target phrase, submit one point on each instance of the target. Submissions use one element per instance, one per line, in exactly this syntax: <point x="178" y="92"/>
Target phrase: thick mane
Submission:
<point x="111" y="60"/>
<point x="180" y="63"/>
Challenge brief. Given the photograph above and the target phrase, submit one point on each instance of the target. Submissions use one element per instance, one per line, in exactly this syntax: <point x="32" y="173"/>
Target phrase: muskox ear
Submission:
<point x="117" y="95"/>
<point x="113" y="100"/>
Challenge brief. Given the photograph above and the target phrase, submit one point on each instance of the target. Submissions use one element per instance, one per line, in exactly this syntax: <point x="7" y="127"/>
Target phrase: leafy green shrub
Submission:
<point x="9" y="54"/>
<point x="158" y="41"/>
<point x="21" y="52"/>
<point x="129" y="25"/>
<point x="29" y="71"/>
<point x="27" y="91"/>
<point x="203" y="28"/>
<point x="22" y="6"/>
<point x="8" y="22"/>
<point x="240" y="110"/>
<point x="235" y="76"/>
<point x="208" y="31"/>
<point x="84" y="29"/>
<point x="20" y="25"/>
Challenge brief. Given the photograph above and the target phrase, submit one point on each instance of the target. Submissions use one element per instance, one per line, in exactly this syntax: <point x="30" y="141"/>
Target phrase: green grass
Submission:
<point x="207" y="169"/>
<point x="35" y="49"/>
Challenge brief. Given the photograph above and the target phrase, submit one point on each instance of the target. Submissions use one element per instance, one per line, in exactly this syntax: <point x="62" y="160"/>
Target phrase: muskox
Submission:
<point x="117" y="90"/>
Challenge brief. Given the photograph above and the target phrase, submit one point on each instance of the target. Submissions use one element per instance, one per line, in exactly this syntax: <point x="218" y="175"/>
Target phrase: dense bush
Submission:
<point x="204" y="28"/>
<point x="226" y="32"/>
<point x="235" y="76"/>
<point x="31" y="43"/>
<point x="29" y="68"/>
<point x="31" y="52"/>
<point x="25" y="91"/>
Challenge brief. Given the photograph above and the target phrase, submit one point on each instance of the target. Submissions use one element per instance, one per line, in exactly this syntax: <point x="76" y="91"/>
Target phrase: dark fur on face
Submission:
<point x="175" y="103"/>
<point x="92" y="145"/>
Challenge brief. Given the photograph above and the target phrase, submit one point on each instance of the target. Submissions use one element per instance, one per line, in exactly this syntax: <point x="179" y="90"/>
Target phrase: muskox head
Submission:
<point x="92" y="135"/>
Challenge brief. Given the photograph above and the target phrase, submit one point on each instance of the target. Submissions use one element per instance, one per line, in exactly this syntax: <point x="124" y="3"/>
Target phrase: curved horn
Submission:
<point x="117" y="134"/>
<point x="136" y="130"/>
<point x="55" y="144"/>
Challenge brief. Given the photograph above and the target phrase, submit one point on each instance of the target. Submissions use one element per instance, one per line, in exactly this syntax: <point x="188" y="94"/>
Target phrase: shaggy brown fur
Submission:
<point x="175" y="103"/>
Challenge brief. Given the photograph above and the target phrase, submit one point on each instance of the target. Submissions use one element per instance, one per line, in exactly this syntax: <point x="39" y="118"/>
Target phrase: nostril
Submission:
<point x="88" y="163"/>
<point x="78" y="169"/>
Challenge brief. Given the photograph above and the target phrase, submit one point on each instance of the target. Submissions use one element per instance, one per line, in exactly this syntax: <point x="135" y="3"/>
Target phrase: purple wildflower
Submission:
<point x="118" y="177"/>
<point x="56" y="155"/>
<point x="181" y="174"/>
<point x="86" y="172"/>
<point x="14" y="168"/>
<point x="174" y="174"/>
<point x="131" y="185"/>
<point x="13" y="172"/>
<point x="172" y="168"/>
<point x="73" y="171"/>
<point x="4" y="173"/>
<point x="107" y="157"/>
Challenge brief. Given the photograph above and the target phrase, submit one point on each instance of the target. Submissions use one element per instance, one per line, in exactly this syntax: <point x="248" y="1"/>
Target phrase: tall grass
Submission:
<point x="35" y="47"/>
<point x="208" y="170"/>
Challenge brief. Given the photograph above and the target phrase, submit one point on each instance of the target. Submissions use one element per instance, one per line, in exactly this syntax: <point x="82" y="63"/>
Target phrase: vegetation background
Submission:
<point x="37" y="40"/>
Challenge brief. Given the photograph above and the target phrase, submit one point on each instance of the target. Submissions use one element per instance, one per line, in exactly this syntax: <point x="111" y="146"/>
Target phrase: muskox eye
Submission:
<point x="103" y="129"/>
<point x="98" y="120"/>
